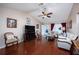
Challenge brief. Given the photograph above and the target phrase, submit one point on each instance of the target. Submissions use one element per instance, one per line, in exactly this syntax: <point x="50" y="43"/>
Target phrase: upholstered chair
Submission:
<point x="65" y="41"/>
<point x="10" y="39"/>
<point x="38" y="35"/>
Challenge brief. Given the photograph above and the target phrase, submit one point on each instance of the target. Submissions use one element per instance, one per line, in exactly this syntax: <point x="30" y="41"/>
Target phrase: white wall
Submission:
<point x="74" y="16"/>
<point x="21" y="22"/>
<point x="77" y="24"/>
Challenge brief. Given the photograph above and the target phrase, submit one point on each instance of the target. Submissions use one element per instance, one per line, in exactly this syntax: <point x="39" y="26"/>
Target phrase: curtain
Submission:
<point x="52" y="26"/>
<point x="64" y="25"/>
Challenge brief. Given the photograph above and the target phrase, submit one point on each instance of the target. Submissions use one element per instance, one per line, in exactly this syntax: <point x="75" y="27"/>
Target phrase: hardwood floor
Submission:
<point x="34" y="47"/>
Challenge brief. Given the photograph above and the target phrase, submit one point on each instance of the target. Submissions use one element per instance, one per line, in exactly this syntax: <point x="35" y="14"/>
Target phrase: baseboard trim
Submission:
<point x="2" y="47"/>
<point x="5" y="46"/>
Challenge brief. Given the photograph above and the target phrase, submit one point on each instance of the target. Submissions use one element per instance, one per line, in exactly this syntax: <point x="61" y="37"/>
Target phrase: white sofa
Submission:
<point x="65" y="42"/>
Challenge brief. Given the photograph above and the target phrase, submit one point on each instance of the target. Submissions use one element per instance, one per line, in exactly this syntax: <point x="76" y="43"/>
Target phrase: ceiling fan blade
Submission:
<point x="50" y="13"/>
<point x="48" y="16"/>
<point x="43" y="13"/>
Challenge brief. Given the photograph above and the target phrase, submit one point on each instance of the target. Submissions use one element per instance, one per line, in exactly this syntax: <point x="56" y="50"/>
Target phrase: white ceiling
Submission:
<point x="60" y="11"/>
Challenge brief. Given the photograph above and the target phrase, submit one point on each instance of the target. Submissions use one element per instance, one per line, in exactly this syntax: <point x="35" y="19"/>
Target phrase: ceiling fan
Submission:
<point x="45" y="14"/>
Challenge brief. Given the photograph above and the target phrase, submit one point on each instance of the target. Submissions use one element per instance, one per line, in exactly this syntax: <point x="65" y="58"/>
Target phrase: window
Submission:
<point x="57" y="28"/>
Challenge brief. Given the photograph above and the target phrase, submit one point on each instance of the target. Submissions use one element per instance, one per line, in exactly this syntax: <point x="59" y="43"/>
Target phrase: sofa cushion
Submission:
<point x="74" y="37"/>
<point x="71" y="36"/>
<point x="68" y="39"/>
<point x="9" y="36"/>
<point x="11" y="40"/>
<point x="62" y="37"/>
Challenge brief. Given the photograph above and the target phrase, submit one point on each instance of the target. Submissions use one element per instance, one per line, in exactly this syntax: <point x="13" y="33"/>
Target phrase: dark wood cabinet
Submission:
<point x="29" y="32"/>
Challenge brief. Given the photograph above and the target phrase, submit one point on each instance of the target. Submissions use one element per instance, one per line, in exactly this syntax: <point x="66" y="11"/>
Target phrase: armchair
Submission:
<point x="10" y="39"/>
<point x="65" y="41"/>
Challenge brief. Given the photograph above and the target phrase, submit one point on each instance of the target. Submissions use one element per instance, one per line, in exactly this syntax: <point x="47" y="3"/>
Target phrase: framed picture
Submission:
<point x="11" y="23"/>
<point x="70" y="24"/>
<point x="37" y="26"/>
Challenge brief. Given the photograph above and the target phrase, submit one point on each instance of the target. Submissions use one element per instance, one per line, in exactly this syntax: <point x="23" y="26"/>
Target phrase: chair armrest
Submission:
<point x="64" y="41"/>
<point x="16" y="37"/>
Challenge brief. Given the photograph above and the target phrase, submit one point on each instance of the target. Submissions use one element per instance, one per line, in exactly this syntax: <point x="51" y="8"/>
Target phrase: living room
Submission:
<point x="52" y="26"/>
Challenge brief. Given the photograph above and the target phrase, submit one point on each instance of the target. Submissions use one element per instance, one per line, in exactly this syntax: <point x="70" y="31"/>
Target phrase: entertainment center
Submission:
<point x="29" y="32"/>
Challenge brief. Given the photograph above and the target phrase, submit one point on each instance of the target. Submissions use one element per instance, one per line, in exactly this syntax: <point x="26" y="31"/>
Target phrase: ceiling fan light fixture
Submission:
<point x="46" y="12"/>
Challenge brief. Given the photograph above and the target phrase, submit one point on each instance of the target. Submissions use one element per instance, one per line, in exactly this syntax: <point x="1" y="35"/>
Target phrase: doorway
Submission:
<point x="45" y="30"/>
